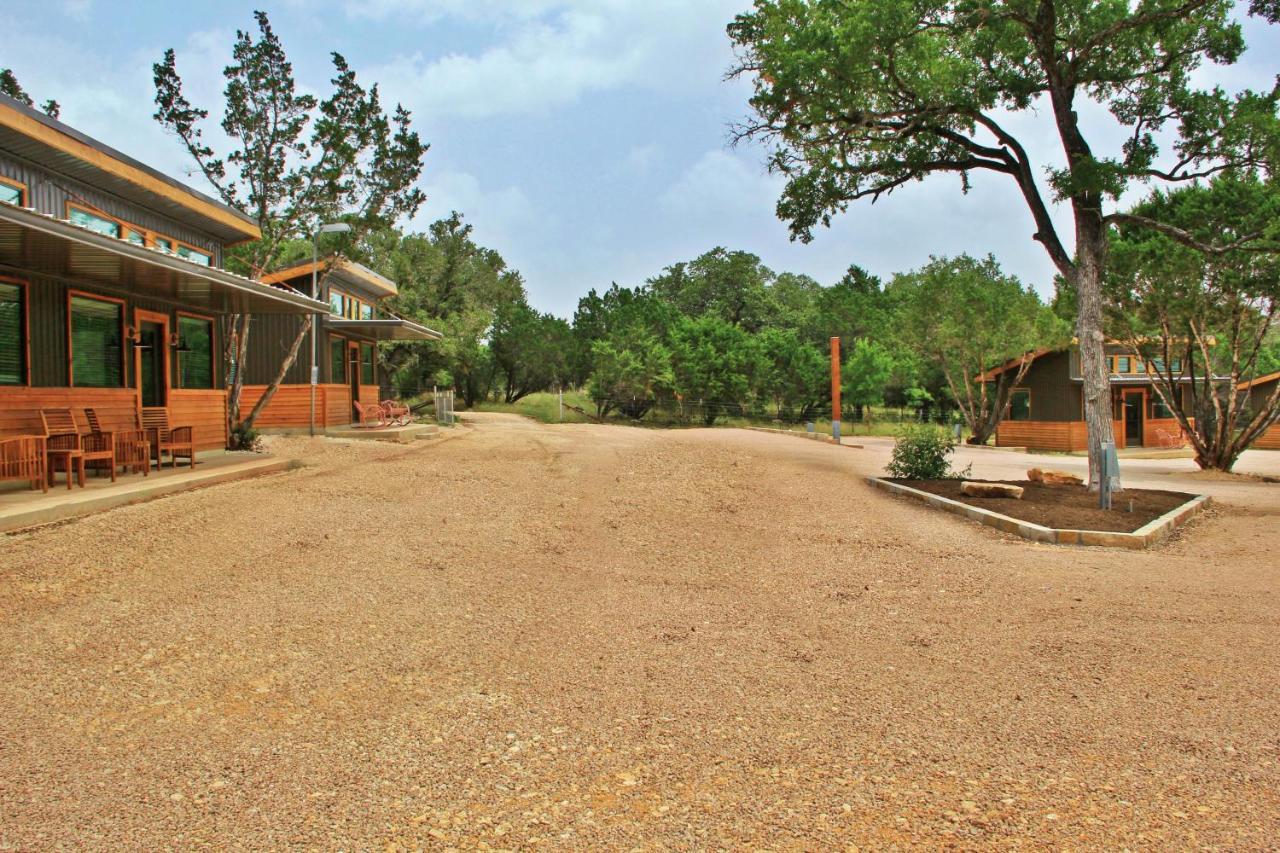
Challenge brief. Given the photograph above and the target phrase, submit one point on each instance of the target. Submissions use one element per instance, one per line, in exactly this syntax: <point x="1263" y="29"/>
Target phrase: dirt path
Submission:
<point x="603" y="636"/>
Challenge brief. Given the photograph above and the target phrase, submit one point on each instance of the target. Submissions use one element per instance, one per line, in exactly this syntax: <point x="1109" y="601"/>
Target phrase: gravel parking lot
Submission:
<point x="594" y="636"/>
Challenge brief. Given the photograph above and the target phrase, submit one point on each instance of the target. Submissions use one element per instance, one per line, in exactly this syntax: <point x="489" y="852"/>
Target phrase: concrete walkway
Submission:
<point x="22" y="508"/>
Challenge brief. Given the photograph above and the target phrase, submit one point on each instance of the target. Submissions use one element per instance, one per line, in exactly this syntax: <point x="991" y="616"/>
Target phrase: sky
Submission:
<point x="585" y="140"/>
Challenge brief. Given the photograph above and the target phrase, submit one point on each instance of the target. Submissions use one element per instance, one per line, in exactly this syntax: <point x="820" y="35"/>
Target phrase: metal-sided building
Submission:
<point x="346" y="348"/>
<point x="1046" y="409"/>
<point x="111" y="284"/>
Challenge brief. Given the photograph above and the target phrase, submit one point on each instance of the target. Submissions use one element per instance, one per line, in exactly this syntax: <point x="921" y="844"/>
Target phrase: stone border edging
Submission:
<point x="1145" y="536"/>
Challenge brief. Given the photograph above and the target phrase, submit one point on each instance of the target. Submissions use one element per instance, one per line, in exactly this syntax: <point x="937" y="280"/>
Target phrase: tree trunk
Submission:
<point x="271" y="389"/>
<point x="1090" y="256"/>
<point x="239" y="350"/>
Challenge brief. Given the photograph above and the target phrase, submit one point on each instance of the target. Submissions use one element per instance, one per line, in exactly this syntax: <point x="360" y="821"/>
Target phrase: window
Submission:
<point x="96" y="334"/>
<point x="1158" y="408"/>
<point x="1020" y="405"/>
<point x="189" y="254"/>
<point x="94" y="222"/>
<point x="121" y="230"/>
<point x="195" y="352"/>
<point x="1124" y="364"/>
<point x="13" y="346"/>
<point x="335" y="303"/>
<point x="337" y="360"/>
<point x="366" y="364"/>
<point x="366" y="311"/>
<point x="13" y="192"/>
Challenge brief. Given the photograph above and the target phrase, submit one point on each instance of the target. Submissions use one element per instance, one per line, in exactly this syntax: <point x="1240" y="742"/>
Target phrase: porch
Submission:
<point x="22" y="507"/>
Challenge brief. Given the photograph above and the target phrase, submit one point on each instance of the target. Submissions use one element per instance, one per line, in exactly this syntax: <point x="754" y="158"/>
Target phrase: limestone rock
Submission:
<point x="1053" y="478"/>
<point x="990" y="490"/>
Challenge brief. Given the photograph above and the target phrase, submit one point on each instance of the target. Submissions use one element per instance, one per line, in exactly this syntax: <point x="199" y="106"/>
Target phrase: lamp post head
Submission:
<point x="333" y="228"/>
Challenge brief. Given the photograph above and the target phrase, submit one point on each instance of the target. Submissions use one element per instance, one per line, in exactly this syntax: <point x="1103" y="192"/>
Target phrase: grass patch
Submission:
<point x="545" y="407"/>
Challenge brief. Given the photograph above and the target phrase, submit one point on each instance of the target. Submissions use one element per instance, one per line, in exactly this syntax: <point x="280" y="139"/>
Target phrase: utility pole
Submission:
<point x="835" y="389"/>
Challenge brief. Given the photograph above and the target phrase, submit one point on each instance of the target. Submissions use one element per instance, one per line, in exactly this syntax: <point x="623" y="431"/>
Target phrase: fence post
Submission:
<point x="835" y="389"/>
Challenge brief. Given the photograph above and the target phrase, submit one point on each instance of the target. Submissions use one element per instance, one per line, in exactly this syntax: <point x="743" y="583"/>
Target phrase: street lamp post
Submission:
<point x="331" y="228"/>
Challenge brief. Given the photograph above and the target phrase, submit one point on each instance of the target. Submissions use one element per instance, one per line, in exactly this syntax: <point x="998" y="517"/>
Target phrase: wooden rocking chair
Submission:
<point x="129" y="448"/>
<point x="23" y="458"/>
<point x="371" y="417"/>
<point x="173" y="440"/>
<point x="397" y="414"/>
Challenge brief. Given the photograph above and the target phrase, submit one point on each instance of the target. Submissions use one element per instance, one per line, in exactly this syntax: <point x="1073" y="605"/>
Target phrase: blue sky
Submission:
<point x="586" y="140"/>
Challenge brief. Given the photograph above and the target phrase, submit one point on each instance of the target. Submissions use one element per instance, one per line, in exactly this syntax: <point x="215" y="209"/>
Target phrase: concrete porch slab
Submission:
<point x="403" y="435"/>
<point x="21" y="508"/>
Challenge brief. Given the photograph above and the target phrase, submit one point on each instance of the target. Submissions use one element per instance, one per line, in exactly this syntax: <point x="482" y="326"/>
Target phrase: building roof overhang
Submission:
<point x="386" y="329"/>
<point x="47" y="142"/>
<point x="35" y="243"/>
<point x="1259" y="380"/>
<point x="339" y="270"/>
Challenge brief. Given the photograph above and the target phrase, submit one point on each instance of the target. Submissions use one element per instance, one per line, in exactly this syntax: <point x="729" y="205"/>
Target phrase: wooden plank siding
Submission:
<point x="205" y="411"/>
<point x="1269" y="440"/>
<point x="1060" y="436"/>
<point x="290" y="407"/>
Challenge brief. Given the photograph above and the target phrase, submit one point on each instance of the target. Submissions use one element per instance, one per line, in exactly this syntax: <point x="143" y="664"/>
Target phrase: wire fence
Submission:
<point x="677" y="411"/>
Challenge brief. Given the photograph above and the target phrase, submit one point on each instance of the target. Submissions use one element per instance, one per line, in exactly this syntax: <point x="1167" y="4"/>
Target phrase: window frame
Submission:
<point x="124" y="345"/>
<point x="372" y="363"/>
<point x="213" y="351"/>
<point x="1013" y="392"/>
<point x="24" y="194"/>
<point x="24" y="288"/>
<point x="150" y="237"/>
<point x="339" y="380"/>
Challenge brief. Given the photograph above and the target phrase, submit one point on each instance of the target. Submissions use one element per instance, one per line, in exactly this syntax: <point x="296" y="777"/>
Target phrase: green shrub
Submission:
<point x="920" y="453"/>
<point x="244" y="439"/>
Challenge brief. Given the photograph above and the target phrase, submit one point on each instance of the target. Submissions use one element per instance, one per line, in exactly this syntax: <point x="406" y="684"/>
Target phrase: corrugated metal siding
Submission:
<point x="48" y="316"/>
<point x="1053" y="396"/>
<point x="49" y="193"/>
<point x="270" y="337"/>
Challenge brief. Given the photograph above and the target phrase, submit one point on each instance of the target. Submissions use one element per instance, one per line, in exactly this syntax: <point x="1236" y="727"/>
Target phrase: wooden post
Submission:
<point x="835" y="389"/>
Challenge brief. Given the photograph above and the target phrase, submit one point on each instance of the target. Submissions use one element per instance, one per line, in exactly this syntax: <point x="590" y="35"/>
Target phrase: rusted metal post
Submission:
<point x="835" y="389"/>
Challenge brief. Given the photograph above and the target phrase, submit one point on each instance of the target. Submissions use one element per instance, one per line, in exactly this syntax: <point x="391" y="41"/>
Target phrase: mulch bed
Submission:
<point x="1064" y="507"/>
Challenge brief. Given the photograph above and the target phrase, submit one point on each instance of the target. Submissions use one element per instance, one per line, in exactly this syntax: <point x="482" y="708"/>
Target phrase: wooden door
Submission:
<point x="151" y="358"/>
<point x="353" y="375"/>
<point x="1135" y="416"/>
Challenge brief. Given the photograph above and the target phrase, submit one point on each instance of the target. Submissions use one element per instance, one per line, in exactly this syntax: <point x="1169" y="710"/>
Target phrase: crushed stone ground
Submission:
<point x="588" y="636"/>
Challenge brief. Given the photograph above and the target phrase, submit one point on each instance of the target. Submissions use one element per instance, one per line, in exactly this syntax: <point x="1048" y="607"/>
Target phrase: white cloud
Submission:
<point x="720" y="182"/>
<point x="77" y="10"/>
<point x="641" y="157"/>
<point x="550" y="53"/>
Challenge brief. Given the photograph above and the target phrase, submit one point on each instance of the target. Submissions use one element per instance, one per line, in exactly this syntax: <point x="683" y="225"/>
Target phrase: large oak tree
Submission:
<point x="859" y="97"/>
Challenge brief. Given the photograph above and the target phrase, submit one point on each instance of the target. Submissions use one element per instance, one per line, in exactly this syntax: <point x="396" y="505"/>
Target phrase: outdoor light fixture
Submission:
<point x="329" y="228"/>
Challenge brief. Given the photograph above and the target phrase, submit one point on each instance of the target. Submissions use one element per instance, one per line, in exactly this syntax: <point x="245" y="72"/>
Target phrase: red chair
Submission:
<point x="371" y="417"/>
<point x="397" y="414"/>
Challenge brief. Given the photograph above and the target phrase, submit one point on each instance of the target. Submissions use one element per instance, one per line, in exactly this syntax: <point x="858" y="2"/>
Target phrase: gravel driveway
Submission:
<point x="601" y="636"/>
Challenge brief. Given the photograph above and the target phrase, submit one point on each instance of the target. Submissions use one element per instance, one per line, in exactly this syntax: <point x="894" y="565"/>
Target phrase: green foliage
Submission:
<point x="530" y="349"/>
<point x="1211" y="313"/>
<point x="244" y="438"/>
<point x="629" y="373"/>
<point x="866" y="373"/>
<point x="793" y="374"/>
<point x="966" y="316"/>
<point x="922" y="452"/>
<point x="10" y="86"/>
<point x="714" y="363"/>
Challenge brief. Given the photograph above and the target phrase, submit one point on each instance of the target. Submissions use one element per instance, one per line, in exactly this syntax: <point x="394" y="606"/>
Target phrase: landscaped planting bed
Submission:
<point x="1064" y="507"/>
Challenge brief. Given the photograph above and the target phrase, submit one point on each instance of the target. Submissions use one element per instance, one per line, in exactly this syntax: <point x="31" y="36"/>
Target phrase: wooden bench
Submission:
<point x="22" y="457"/>
<point x="177" y="441"/>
